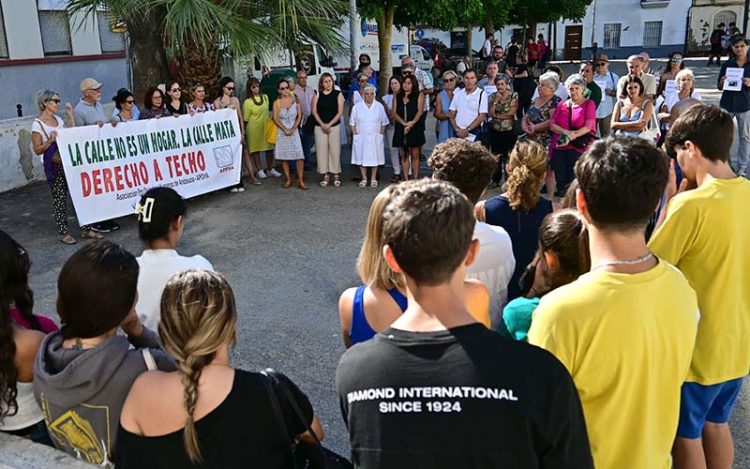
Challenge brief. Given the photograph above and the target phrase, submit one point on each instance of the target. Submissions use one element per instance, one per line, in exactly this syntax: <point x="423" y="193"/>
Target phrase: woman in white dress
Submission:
<point x="368" y="122"/>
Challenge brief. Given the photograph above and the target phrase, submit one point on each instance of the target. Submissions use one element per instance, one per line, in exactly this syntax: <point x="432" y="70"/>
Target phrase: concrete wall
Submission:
<point x="20" y="453"/>
<point x="702" y="21"/>
<point x="65" y="78"/>
<point x="18" y="163"/>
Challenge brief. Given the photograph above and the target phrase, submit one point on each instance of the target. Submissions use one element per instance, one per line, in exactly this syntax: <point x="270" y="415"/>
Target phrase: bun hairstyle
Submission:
<point x="564" y="234"/>
<point x="527" y="166"/>
<point x="157" y="209"/>
<point x="198" y="316"/>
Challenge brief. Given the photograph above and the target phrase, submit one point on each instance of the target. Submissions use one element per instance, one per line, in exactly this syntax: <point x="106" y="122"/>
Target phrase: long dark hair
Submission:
<point x="14" y="278"/>
<point x="414" y="87"/>
<point x="148" y="102"/>
<point x="8" y="370"/>
<point x="668" y="67"/>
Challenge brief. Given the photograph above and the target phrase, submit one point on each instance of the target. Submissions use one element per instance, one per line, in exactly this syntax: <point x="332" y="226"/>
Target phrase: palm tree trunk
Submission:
<point x="146" y="50"/>
<point x="200" y="65"/>
<point x="385" y="37"/>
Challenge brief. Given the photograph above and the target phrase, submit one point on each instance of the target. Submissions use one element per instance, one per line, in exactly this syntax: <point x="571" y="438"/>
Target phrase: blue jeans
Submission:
<point x="308" y="140"/>
<point x="739" y="160"/>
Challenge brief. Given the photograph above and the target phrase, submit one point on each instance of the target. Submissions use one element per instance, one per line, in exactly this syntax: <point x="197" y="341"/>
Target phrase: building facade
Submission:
<point x="43" y="47"/>
<point x="706" y="15"/>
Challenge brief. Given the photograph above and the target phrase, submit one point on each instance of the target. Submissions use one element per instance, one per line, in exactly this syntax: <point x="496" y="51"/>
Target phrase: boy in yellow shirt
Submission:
<point x="626" y="329"/>
<point x="706" y="234"/>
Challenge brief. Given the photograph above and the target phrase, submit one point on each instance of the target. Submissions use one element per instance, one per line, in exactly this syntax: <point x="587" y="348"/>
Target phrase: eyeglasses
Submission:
<point x="449" y="80"/>
<point x="129" y="101"/>
<point x="407" y="72"/>
<point x="231" y="88"/>
<point x="175" y="90"/>
<point x="54" y="100"/>
<point x="282" y="88"/>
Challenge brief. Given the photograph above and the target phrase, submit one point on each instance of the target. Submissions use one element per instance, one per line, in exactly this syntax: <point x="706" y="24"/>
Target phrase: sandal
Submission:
<point x="67" y="239"/>
<point x="336" y="181"/>
<point x="324" y="182"/>
<point x="374" y="183"/>
<point x="91" y="234"/>
<point x="302" y="185"/>
<point x="287" y="184"/>
<point x="363" y="183"/>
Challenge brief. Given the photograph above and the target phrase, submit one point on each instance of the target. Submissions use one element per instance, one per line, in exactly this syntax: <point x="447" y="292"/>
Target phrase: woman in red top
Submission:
<point x="532" y="52"/>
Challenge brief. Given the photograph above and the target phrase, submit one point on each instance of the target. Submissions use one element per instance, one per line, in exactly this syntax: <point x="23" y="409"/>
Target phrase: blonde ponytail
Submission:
<point x="527" y="166"/>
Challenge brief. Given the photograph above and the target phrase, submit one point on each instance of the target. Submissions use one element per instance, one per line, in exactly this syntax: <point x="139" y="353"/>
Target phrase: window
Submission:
<point x="111" y="41"/>
<point x="612" y="35"/>
<point x="725" y="17"/>
<point x="652" y="34"/>
<point x="3" y="42"/>
<point x="55" y="30"/>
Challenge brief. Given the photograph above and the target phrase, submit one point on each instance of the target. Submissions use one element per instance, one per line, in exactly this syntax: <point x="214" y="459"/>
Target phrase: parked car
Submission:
<point x="437" y="50"/>
<point x="454" y="55"/>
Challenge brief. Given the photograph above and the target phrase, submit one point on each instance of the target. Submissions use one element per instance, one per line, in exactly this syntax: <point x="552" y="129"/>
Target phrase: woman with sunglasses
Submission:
<point x="287" y="115"/>
<point x="442" y="104"/>
<point x="125" y="103"/>
<point x="44" y="142"/>
<point x="153" y="104"/>
<point x="674" y="64"/>
<point x="255" y="115"/>
<point x="175" y="105"/>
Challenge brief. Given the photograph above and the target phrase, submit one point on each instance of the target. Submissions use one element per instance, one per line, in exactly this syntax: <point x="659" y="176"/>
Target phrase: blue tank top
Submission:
<point x="634" y="118"/>
<point x="361" y="330"/>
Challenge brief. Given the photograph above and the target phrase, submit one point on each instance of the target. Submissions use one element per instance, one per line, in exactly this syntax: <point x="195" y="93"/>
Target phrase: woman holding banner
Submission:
<point x="44" y="140"/>
<point x="153" y="104"/>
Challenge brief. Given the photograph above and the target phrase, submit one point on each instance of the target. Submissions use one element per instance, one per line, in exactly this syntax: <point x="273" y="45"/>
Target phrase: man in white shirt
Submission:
<point x="469" y="167"/>
<point x="635" y="69"/>
<point x="468" y="108"/>
<point x="607" y="81"/>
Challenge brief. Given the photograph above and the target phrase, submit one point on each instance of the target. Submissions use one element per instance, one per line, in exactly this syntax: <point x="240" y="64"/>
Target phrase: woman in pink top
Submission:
<point x="573" y="127"/>
<point x="14" y="286"/>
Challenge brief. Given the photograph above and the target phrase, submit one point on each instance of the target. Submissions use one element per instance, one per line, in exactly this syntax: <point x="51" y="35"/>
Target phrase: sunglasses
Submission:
<point x="53" y="100"/>
<point x="676" y="61"/>
<point x="283" y="88"/>
<point x="602" y="64"/>
<point x="175" y="90"/>
<point x="449" y="80"/>
<point x="231" y="88"/>
<point x="129" y="101"/>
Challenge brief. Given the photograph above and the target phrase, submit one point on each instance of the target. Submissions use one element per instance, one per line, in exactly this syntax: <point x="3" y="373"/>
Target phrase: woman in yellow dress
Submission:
<point x="256" y="115"/>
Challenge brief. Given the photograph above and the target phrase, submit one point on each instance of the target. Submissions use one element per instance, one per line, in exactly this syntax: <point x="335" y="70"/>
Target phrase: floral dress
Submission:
<point x="539" y="115"/>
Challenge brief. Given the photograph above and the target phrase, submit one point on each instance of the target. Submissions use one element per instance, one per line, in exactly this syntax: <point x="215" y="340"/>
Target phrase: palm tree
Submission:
<point x="198" y="31"/>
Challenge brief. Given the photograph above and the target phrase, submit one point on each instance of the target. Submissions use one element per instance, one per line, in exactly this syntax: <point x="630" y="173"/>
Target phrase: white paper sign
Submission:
<point x="108" y="168"/>
<point x="489" y="89"/>
<point x="733" y="81"/>
<point x="670" y="88"/>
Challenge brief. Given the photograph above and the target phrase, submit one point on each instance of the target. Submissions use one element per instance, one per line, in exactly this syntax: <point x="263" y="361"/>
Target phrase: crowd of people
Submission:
<point x="593" y="314"/>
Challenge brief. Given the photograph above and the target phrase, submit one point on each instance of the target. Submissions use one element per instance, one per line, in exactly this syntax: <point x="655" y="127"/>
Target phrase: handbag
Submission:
<point x="578" y="142"/>
<point x="271" y="132"/>
<point x="314" y="456"/>
<point x="652" y="132"/>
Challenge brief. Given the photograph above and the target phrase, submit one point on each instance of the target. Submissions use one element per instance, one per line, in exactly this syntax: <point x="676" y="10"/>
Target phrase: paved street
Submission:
<point x="288" y="255"/>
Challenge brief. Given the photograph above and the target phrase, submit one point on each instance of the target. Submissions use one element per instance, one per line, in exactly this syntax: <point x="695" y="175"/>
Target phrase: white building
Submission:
<point x="42" y="47"/>
<point x="617" y="28"/>
<point x="706" y="15"/>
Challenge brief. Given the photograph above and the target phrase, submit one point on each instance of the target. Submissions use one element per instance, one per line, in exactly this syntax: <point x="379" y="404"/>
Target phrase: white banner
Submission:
<point x="108" y="168"/>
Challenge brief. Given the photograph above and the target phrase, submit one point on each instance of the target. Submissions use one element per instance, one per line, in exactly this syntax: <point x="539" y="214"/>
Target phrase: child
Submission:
<point x="562" y="257"/>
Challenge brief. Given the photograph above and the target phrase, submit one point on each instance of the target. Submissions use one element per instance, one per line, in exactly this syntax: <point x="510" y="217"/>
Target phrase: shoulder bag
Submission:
<point x="652" y="131"/>
<point x="314" y="456"/>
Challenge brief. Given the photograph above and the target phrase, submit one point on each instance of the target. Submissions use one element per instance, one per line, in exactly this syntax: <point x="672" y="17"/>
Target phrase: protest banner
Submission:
<point x="108" y="168"/>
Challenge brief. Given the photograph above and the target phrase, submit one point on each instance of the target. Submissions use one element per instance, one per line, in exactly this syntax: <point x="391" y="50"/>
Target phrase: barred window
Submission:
<point x="612" y="35"/>
<point x="3" y="41"/>
<point x="652" y="34"/>
<point x="55" y="29"/>
<point x="111" y="41"/>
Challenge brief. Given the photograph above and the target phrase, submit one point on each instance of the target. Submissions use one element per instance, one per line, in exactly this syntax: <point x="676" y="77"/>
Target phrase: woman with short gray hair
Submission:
<point x="368" y="122"/>
<point x="44" y="142"/>
<point x="573" y="127"/>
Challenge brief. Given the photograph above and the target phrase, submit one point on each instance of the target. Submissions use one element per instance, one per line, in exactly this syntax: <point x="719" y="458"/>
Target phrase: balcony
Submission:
<point x="654" y="3"/>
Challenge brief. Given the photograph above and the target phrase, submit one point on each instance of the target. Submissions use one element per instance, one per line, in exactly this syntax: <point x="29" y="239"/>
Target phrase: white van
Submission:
<point x="422" y="58"/>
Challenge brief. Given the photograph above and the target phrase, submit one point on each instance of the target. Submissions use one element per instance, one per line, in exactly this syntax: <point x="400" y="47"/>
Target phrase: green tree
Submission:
<point x="197" y="31"/>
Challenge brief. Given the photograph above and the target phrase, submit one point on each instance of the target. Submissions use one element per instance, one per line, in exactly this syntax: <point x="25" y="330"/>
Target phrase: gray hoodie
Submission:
<point x="81" y="391"/>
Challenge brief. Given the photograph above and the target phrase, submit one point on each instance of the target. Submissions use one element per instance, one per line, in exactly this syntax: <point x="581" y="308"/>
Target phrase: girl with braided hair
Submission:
<point x="19" y="412"/>
<point x="520" y="209"/>
<point x="207" y="414"/>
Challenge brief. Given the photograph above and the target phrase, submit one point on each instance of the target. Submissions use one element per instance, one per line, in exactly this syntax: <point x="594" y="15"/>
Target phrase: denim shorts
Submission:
<point x="700" y="404"/>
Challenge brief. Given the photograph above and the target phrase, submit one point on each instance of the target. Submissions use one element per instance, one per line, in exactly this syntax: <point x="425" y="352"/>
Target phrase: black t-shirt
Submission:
<point x="328" y="107"/>
<point x="511" y="55"/>
<point x="241" y="432"/>
<point x="460" y="398"/>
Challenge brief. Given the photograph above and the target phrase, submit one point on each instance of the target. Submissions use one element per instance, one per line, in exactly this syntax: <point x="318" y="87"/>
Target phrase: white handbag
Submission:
<point x="652" y="132"/>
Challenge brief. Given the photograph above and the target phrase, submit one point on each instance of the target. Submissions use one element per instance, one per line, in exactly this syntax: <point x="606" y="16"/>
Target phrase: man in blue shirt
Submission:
<point x="738" y="102"/>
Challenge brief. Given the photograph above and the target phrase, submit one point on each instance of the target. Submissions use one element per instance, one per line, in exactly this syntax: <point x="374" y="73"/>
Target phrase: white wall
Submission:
<point x="20" y="165"/>
<point x="22" y="29"/>
<point x="84" y="34"/>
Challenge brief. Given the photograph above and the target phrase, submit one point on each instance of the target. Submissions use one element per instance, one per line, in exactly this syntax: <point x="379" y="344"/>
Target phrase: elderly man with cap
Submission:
<point x="635" y="69"/>
<point x="424" y="79"/>
<point x="89" y="111"/>
<point x="607" y="81"/>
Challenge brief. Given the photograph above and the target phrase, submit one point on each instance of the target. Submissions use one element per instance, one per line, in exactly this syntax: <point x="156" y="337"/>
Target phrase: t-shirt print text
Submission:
<point x="427" y="398"/>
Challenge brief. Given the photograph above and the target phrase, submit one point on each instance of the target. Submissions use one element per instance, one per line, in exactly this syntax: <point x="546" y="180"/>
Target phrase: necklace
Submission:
<point x="257" y="103"/>
<point x="637" y="260"/>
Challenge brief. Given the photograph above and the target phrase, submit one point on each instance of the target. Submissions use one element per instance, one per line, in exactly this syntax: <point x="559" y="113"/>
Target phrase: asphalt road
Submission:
<point x="288" y="254"/>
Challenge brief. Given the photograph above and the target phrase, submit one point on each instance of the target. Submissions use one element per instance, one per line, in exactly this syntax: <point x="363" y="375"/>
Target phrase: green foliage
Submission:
<point x="441" y="14"/>
<point x="543" y="11"/>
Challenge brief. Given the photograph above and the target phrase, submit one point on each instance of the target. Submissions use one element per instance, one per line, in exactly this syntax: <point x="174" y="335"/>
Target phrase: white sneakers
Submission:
<point x="274" y="173"/>
<point x="261" y="174"/>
